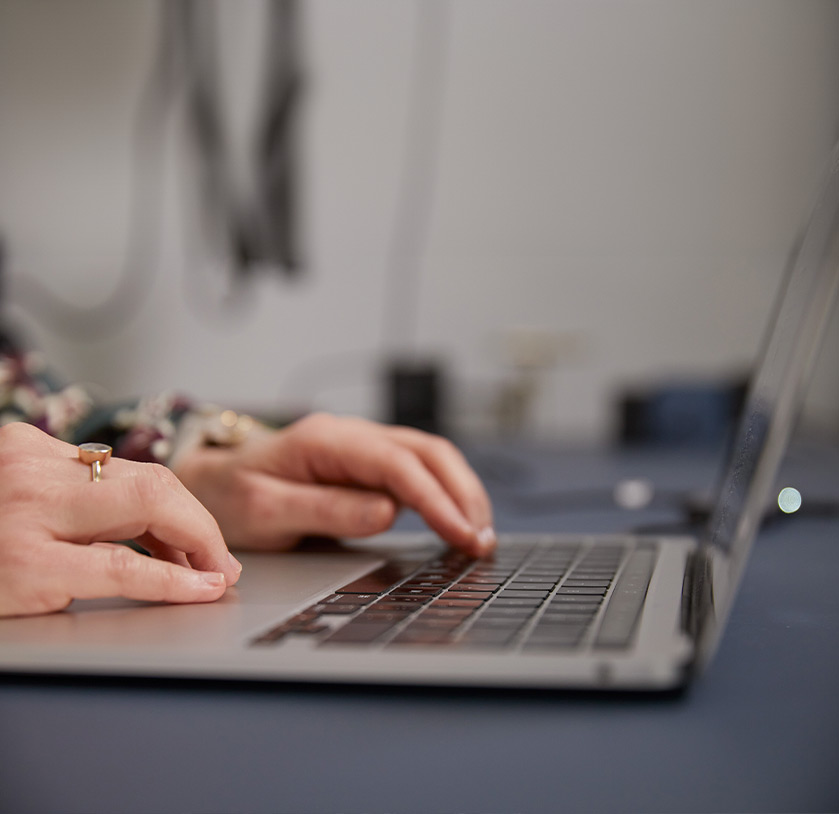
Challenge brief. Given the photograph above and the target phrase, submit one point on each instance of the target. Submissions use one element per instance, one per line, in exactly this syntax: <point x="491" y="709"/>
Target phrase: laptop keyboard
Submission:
<point x="531" y="597"/>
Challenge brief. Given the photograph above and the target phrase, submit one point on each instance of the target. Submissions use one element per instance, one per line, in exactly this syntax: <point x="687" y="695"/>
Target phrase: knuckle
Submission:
<point x="313" y="512"/>
<point x="315" y="424"/>
<point x="443" y="447"/>
<point x="257" y="506"/>
<point x="164" y="585"/>
<point x="16" y="442"/>
<point x="154" y="482"/>
<point x="376" y="515"/>
<point x="120" y="563"/>
<point x="317" y="515"/>
<point x="16" y="431"/>
<point x="165" y="476"/>
<point x="402" y="464"/>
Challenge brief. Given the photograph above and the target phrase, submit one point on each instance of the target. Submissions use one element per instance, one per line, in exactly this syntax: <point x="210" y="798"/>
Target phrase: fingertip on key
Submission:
<point x="487" y="540"/>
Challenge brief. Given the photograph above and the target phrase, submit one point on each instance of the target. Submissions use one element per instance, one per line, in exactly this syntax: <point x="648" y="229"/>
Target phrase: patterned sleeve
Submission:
<point x="143" y="430"/>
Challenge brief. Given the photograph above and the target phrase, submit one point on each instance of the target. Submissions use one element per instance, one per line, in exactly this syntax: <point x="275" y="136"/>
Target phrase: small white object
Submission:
<point x="789" y="500"/>
<point x="634" y="493"/>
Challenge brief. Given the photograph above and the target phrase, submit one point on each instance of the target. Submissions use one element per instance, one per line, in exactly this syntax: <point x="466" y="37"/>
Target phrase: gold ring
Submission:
<point x="95" y="455"/>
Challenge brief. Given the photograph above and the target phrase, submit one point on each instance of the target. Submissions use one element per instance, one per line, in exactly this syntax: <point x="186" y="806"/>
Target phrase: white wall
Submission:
<point x="630" y="175"/>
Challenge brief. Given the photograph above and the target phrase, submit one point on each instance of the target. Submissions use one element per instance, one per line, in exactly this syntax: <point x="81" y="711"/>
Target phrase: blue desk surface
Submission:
<point x="759" y="731"/>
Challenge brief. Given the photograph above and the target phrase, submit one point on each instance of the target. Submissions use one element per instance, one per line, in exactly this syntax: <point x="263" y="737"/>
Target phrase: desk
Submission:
<point x="758" y="732"/>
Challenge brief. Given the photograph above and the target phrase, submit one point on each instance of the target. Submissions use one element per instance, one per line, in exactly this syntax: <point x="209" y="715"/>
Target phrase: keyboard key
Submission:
<point x="442" y="602"/>
<point x="465" y="586"/>
<point x="522" y="579"/>
<point x="470" y="580"/>
<point x="353" y="599"/>
<point x="338" y="609"/>
<point x="580" y="591"/>
<point x="425" y="623"/>
<point x="512" y="602"/>
<point x="508" y="612"/>
<point x="380" y="580"/>
<point x="404" y="599"/>
<point x="587" y="583"/>
<point x="576" y="599"/>
<point x="426" y="592"/>
<point x="435" y="576"/>
<point x="432" y="618"/>
<point x="498" y="623"/>
<point x="570" y="610"/>
<point x="419" y="637"/>
<point x="393" y="607"/>
<point x="563" y="636"/>
<point x="486" y="637"/>
<point x="511" y="594"/>
<point x="453" y="594"/>
<point x="426" y="583"/>
<point x="565" y="618"/>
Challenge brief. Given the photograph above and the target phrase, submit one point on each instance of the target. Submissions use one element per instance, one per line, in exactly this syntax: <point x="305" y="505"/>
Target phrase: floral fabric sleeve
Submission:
<point x="141" y="431"/>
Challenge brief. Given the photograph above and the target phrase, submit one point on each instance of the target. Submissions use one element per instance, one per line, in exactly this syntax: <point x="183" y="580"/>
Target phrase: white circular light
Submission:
<point x="789" y="500"/>
<point x="634" y="493"/>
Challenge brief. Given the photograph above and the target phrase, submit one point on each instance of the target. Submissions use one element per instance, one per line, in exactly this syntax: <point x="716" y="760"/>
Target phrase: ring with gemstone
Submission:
<point x="95" y="455"/>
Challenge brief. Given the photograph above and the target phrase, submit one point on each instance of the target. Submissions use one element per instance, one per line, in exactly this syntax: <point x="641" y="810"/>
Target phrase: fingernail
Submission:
<point x="487" y="539"/>
<point x="235" y="564"/>
<point x="213" y="578"/>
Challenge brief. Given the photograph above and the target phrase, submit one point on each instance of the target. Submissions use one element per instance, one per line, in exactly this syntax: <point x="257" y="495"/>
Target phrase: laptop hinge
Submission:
<point x="697" y="593"/>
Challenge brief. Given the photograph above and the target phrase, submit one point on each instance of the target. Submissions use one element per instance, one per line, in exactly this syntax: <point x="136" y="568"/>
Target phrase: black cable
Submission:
<point x="134" y="284"/>
<point x="275" y="148"/>
<point x="196" y="32"/>
<point x="262" y="230"/>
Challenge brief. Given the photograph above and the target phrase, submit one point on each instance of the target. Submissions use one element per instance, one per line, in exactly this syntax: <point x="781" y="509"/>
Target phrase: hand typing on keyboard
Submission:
<point x="338" y="476"/>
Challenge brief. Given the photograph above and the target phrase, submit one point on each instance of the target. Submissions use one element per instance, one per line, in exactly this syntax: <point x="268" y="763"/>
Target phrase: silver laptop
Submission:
<point x="617" y="612"/>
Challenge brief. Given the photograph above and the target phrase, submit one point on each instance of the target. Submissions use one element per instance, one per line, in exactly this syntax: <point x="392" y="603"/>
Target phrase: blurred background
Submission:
<point x="507" y="216"/>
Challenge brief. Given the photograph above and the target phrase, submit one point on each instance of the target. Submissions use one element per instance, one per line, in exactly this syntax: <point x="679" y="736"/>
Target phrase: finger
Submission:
<point x="354" y="451"/>
<point x="107" y="570"/>
<point x="278" y="513"/>
<point x="407" y="478"/>
<point x="150" y="501"/>
<point x="450" y="467"/>
<point x="162" y="551"/>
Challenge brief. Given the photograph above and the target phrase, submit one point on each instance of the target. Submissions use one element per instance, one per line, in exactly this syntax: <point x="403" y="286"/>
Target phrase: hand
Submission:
<point x="55" y="523"/>
<point x="343" y="477"/>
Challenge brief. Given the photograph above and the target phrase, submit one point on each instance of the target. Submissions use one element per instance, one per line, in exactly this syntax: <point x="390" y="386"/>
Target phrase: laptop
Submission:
<point x="621" y="612"/>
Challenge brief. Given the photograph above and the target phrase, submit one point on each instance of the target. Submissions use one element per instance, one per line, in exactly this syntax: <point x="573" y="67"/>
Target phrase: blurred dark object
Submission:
<point x="260" y="231"/>
<point x="681" y="413"/>
<point x="415" y="393"/>
<point x="8" y="344"/>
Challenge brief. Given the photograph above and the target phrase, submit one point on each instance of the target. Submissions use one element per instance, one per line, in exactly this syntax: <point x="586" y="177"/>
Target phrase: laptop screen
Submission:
<point x="786" y="360"/>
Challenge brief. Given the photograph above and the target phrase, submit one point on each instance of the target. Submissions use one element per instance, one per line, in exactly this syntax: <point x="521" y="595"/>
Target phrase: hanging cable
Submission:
<point x="134" y="284"/>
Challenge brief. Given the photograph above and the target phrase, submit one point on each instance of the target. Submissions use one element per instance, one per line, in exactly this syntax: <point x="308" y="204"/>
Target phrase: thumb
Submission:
<point x="281" y="511"/>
